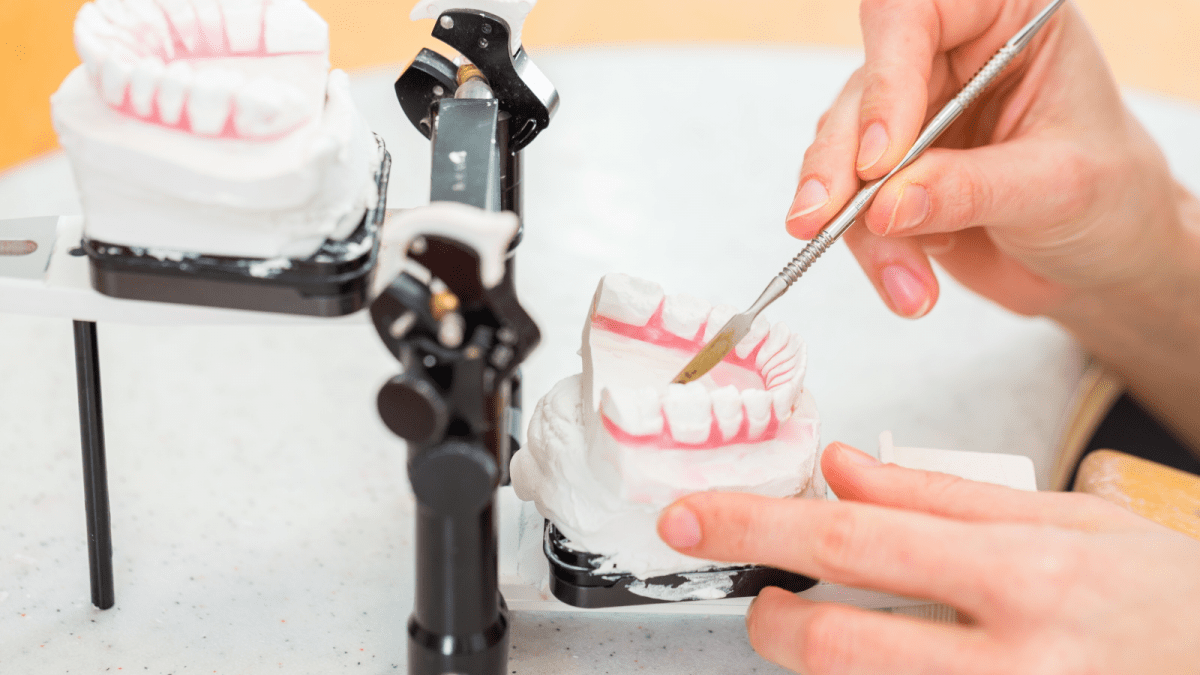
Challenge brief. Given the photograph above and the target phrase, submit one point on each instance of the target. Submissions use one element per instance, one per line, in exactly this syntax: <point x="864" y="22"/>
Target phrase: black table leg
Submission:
<point x="95" y="470"/>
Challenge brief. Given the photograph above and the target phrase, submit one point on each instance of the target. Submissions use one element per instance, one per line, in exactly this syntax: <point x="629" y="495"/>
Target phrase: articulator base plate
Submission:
<point x="574" y="580"/>
<point x="334" y="281"/>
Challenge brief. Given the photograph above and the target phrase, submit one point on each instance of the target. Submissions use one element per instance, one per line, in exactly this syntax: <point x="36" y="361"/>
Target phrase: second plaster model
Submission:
<point x="609" y="448"/>
<point x="215" y="127"/>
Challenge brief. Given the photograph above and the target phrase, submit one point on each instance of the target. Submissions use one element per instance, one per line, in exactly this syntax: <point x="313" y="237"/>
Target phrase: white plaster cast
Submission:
<point x="213" y="126"/>
<point x="609" y="448"/>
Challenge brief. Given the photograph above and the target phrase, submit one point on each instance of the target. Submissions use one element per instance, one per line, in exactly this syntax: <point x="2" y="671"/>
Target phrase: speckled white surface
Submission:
<point x="261" y="513"/>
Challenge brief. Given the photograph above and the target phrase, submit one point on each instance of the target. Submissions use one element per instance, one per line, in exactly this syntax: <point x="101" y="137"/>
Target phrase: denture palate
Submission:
<point x="179" y="63"/>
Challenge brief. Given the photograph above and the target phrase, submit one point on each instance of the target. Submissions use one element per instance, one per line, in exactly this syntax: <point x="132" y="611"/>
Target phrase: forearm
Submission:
<point x="1150" y="332"/>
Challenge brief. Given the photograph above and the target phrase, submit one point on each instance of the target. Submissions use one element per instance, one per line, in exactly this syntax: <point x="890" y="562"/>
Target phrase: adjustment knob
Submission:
<point x="413" y="410"/>
<point x="454" y="477"/>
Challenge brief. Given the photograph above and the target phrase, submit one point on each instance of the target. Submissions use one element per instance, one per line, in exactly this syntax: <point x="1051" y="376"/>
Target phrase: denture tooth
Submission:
<point x="683" y="315"/>
<point x="688" y="409"/>
<point x="115" y="12"/>
<point x="717" y="319"/>
<point x="784" y="359"/>
<point x="776" y="341"/>
<point x="243" y="24"/>
<point x="778" y="378"/>
<point x="150" y="26"/>
<point x="637" y="411"/>
<point x="211" y="100"/>
<point x="801" y="361"/>
<point x="211" y="25"/>
<point x="758" y="411"/>
<point x="91" y="22"/>
<point x="90" y="16"/>
<point x="783" y="399"/>
<point x="759" y="329"/>
<point x="90" y="43"/>
<point x="115" y="75"/>
<point x="103" y="34"/>
<point x="144" y="83"/>
<point x="727" y="408"/>
<point x="173" y="91"/>
<point x="266" y="106"/>
<point x="93" y="53"/>
<point x="628" y="299"/>
<point x="291" y="26"/>
<point x="182" y="16"/>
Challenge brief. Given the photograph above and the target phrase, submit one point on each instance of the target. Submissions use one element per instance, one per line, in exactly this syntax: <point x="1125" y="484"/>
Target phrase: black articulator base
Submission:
<point x="334" y="281"/>
<point x="574" y="580"/>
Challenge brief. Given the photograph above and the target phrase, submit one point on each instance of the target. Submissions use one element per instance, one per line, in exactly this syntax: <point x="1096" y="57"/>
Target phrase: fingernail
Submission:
<point x="912" y="208"/>
<point x="679" y="527"/>
<point x="812" y="196"/>
<point x="874" y="144"/>
<point x="906" y="292"/>
<point x="856" y="456"/>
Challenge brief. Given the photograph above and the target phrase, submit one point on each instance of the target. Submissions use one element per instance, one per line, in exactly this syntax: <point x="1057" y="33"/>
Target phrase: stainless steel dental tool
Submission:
<point x="736" y="328"/>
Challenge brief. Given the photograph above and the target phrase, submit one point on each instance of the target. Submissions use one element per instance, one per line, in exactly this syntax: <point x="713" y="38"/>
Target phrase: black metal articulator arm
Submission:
<point x="460" y="334"/>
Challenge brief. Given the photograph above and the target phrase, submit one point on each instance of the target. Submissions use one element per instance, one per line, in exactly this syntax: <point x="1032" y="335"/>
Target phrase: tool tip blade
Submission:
<point x="712" y="353"/>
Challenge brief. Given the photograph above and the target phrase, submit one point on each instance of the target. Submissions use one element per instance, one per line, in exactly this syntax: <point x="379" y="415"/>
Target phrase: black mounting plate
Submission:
<point x="574" y="580"/>
<point x="334" y="281"/>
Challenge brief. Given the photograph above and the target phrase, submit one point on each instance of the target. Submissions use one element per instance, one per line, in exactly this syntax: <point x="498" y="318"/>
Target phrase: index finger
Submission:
<point x="902" y="552"/>
<point x="855" y="476"/>
<point x="918" y="51"/>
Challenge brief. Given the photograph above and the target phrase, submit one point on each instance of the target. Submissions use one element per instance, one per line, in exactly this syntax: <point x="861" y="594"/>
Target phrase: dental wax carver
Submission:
<point x="1050" y="199"/>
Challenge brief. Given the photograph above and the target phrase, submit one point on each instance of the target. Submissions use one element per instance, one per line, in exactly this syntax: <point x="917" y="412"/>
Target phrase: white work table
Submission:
<point x="261" y="513"/>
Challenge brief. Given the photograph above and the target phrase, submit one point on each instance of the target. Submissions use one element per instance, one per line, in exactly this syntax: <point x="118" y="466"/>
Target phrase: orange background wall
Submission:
<point x="1152" y="44"/>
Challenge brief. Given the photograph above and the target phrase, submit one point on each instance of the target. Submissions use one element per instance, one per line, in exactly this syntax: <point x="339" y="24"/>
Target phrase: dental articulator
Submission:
<point x="437" y="284"/>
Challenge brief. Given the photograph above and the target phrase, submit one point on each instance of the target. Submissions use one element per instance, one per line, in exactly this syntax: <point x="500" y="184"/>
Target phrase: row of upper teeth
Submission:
<point x="180" y="28"/>
<point x="634" y="301"/>
<point x="128" y="46"/>
<point x="688" y="410"/>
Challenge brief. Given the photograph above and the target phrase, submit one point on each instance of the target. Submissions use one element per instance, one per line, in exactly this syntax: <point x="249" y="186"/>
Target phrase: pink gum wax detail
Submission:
<point x="185" y="123"/>
<point x="654" y="332"/>
<point x="203" y="50"/>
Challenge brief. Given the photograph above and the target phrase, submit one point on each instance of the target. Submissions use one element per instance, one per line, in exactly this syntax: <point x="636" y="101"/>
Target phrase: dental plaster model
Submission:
<point x="608" y="449"/>
<point x="215" y="127"/>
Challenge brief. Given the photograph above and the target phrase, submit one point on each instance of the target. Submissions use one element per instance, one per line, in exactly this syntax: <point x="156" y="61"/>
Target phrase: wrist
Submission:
<point x="1147" y="328"/>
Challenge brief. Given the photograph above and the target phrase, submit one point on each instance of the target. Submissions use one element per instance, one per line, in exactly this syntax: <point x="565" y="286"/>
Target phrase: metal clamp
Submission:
<point x="521" y="88"/>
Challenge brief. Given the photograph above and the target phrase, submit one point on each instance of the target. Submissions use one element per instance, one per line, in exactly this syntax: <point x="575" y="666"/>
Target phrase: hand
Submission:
<point x="1047" y="186"/>
<point x="1053" y="583"/>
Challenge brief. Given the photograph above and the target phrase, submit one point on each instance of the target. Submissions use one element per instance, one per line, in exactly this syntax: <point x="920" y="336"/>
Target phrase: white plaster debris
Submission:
<point x="702" y="586"/>
<point x="174" y="256"/>
<point x="265" y="269"/>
